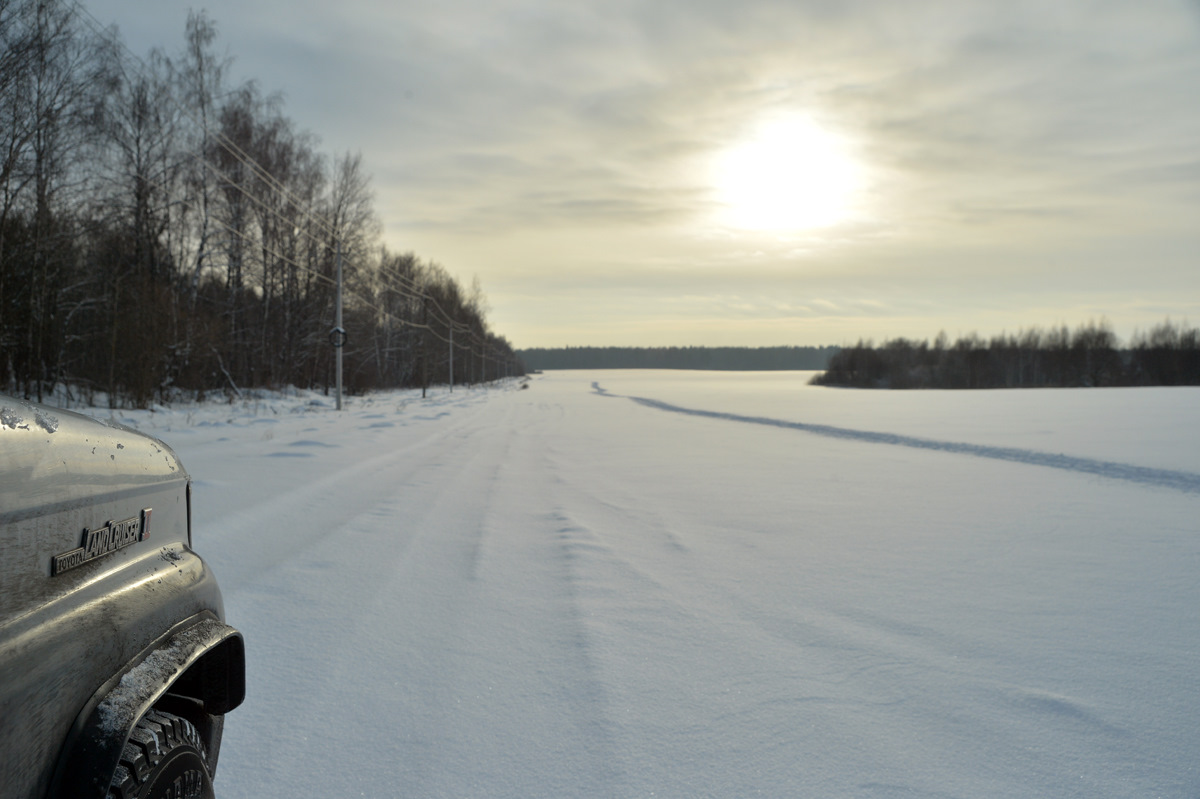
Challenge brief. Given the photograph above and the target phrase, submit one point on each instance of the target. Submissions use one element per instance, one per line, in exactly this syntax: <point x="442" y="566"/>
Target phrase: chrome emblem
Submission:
<point x="104" y="541"/>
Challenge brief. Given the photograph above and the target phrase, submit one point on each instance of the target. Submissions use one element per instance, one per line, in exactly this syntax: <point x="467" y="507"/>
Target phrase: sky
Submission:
<point x="759" y="172"/>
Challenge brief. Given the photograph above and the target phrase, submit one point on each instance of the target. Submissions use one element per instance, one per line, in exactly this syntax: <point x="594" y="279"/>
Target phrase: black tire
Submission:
<point x="163" y="759"/>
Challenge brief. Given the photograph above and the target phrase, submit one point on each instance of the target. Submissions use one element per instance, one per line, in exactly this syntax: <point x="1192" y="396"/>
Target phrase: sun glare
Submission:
<point x="790" y="175"/>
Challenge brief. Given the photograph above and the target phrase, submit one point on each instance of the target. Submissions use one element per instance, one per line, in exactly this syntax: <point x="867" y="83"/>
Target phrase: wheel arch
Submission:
<point x="196" y="670"/>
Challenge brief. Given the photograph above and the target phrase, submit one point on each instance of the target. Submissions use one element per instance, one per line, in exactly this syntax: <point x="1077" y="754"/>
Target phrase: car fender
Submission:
<point x="201" y="658"/>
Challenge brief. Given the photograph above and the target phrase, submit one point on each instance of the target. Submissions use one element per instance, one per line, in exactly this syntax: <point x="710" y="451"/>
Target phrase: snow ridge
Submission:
<point x="1187" y="482"/>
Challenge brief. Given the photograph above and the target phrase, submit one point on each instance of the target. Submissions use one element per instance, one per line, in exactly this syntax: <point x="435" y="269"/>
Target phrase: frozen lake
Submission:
<point x="683" y="584"/>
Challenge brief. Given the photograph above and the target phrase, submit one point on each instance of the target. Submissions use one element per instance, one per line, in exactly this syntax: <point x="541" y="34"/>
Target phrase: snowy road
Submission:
<point x="564" y="591"/>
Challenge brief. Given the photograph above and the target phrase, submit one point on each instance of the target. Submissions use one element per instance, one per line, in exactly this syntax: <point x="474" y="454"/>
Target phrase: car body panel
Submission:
<point x="71" y="627"/>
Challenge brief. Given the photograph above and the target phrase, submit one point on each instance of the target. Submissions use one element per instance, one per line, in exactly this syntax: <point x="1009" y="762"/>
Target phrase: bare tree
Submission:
<point x="159" y="230"/>
<point x="201" y="78"/>
<point x="49" y="90"/>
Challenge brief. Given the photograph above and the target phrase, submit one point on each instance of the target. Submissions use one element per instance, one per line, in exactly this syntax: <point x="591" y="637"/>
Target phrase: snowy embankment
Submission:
<point x="673" y="584"/>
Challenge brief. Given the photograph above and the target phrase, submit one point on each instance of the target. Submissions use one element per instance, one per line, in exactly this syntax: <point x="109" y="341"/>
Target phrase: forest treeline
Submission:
<point x="715" y="358"/>
<point x="1091" y="355"/>
<point x="162" y="229"/>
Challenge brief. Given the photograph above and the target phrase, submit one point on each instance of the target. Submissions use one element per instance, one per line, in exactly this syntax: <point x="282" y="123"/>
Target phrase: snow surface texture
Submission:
<point x="681" y="584"/>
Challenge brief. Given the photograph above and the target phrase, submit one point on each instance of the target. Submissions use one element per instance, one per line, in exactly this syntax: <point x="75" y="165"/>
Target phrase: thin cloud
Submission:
<point x="1020" y="154"/>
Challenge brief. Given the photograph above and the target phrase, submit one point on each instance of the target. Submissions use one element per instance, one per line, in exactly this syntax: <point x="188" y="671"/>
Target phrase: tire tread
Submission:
<point x="156" y="735"/>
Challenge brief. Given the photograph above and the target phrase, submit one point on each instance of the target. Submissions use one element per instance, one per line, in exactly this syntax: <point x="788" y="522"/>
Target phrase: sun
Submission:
<point x="790" y="175"/>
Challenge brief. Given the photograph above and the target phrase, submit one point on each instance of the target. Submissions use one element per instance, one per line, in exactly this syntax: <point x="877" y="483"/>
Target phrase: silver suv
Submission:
<point x="116" y="665"/>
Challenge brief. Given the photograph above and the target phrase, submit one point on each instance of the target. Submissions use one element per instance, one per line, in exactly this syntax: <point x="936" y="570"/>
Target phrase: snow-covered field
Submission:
<point x="682" y="584"/>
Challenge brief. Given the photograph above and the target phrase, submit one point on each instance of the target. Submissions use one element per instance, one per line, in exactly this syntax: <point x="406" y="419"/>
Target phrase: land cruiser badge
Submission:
<point x="104" y="541"/>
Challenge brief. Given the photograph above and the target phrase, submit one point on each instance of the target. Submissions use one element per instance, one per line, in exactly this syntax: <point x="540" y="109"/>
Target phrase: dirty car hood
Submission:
<point x="52" y="459"/>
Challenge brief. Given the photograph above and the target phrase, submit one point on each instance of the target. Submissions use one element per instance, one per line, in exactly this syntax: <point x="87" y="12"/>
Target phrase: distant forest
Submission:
<point x="1091" y="355"/>
<point x="164" y="229"/>
<point x="748" y="359"/>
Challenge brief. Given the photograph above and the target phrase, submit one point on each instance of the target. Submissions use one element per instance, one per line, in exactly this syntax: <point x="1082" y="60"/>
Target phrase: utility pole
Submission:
<point x="424" y="346"/>
<point x="452" y="358"/>
<point x="341" y="332"/>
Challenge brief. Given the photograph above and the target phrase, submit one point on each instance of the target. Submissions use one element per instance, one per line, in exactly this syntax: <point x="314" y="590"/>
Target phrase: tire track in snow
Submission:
<point x="587" y="690"/>
<point x="533" y="644"/>
<point x="1187" y="482"/>
<point x="312" y="510"/>
<point x="389" y="649"/>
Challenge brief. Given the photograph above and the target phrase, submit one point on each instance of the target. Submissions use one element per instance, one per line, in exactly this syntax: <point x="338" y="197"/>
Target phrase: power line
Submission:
<point x="246" y="160"/>
<point x="222" y="140"/>
<point x="408" y="288"/>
